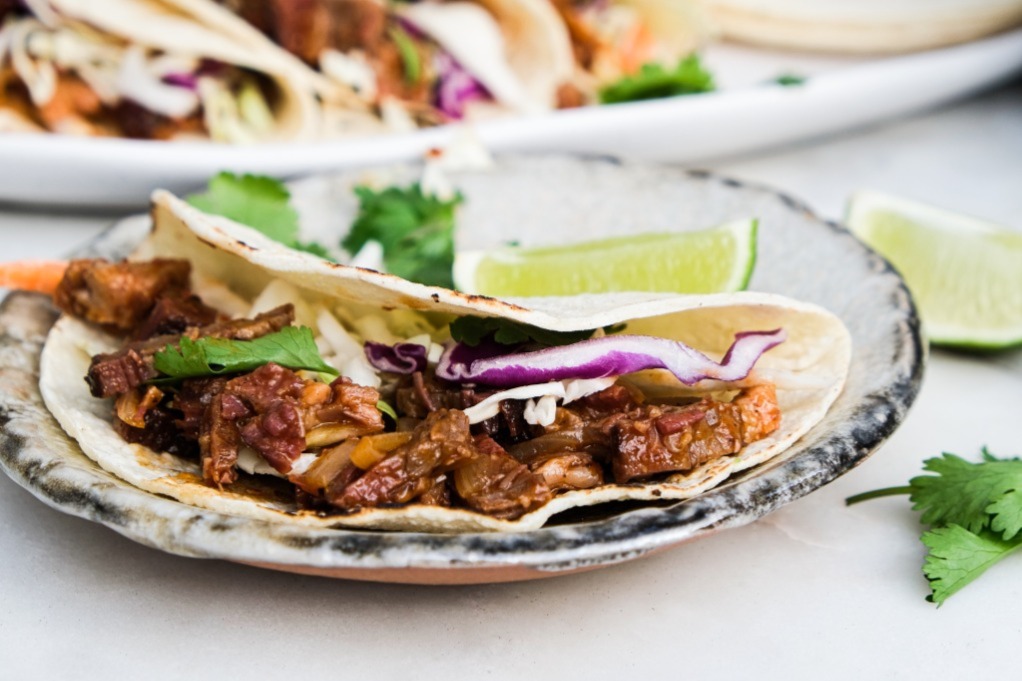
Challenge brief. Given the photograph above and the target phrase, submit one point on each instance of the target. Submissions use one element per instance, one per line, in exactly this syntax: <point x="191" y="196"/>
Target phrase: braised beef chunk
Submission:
<point x="159" y="433"/>
<point x="585" y="43"/>
<point x="342" y="402"/>
<point x="570" y="432"/>
<point x="569" y="96"/>
<point x="121" y="371"/>
<point x="219" y="441"/>
<point x="307" y="27"/>
<point x="264" y="407"/>
<point x="419" y="394"/>
<point x="115" y="373"/>
<point x="136" y="121"/>
<point x="246" y="329"/>
<point x="760" y="414"/>
<point x="173" y="315"/>
<point x="494" y="483"/>
<point x="617" y="399"/>
<point x="8" y="7"/>
<point x="659" y="439"/>
<point x="440" y="443"/>
<point x="192" y="399"/>
<point x="118" y="296"/>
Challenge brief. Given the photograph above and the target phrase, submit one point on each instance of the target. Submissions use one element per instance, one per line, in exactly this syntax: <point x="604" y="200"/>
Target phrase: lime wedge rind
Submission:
<point x="721" y="259"/>
<point x="965" y="273"/>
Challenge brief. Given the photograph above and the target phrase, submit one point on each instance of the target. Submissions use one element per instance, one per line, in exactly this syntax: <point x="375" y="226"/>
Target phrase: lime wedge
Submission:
<point x="708" y="261"/>
<point x="965" y="273"/>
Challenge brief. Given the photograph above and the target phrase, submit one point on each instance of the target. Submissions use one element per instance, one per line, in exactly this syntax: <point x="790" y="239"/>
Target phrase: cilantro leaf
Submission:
<point x="473" y="330"/>
<point x="975" y="512"/>
<point x="790" y="79"/>
<point x="260" y="202"/>
<point x="957" y="557"/>
<point x="293" y="347"/>
<point x="962" y="492"/>
<point x="654" y="81"/>
<point x="416" y="231"/>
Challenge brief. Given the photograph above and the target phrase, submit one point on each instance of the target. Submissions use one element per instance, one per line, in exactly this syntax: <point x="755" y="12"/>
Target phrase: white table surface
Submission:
<point x="814" y="591"/>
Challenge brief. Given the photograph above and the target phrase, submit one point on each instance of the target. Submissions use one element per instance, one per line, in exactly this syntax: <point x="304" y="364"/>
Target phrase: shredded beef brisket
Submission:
<point x="118" y="296"/>
<point x="493" y="483"/>
<point x="174" y="315"/>
<point x="118" y="372"/>
<point x="659" y="439"/>
<point x="439" y="444"/>
<point x="307" y="27"/>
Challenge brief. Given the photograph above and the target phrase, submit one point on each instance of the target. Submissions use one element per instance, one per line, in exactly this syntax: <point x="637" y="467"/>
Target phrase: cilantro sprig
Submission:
<point x="415" y="229"/>
<point x="654" y="81"/>
<point x="974" y="511"/>
<point x="473" y="330"/>
<point x="293" y="347"/>
<point x="260" y="202"/>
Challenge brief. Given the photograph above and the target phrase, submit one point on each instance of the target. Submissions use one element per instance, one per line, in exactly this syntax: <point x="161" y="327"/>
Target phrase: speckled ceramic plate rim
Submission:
<point x="80" y="488"/>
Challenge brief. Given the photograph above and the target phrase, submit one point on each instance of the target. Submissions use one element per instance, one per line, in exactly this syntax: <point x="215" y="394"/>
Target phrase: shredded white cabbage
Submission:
<point x="279" y="292"/>
<point x="345" y="352"/>
<point x="569" y="391"/>
<point x="352" y="70"/>
<point x="238" y="118"/>
<point x="139" y="83"/>
<point x="541" y="413"/>
<point x="395" y="116"/>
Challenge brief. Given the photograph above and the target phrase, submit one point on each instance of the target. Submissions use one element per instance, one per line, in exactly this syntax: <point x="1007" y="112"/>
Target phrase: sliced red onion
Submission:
<point x="189" y="81"/>
<point x="456" y="87"/>
<point x="607" y="356"/>
<point x="401" y="358"/>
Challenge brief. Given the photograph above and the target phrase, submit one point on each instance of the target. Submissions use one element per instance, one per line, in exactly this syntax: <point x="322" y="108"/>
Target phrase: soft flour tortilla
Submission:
<point x="862" y="26"/>
<point x="809" y="369"/>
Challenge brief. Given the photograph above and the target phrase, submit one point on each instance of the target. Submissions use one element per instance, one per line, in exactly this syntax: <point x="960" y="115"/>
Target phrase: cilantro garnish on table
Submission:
<point x="654" y="81"/>
<point x="293" y="347"/>
<point x="415" y="229"/>
<point x="261" y="202"/>
<point x="974" y="511"/>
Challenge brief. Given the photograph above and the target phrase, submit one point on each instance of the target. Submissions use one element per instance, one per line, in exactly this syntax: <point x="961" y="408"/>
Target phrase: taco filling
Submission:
<point x="359" y="410"/>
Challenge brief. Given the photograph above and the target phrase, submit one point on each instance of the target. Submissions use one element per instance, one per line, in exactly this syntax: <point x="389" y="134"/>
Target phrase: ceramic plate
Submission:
<point x="535" y="200"/>
<point x="748" y="112"/>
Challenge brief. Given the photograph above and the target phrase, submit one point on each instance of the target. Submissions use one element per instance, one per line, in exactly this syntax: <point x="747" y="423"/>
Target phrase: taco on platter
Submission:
<point x="235" y="374"/>
<point x="862" y="26"/>
<point x="198" y="69"/>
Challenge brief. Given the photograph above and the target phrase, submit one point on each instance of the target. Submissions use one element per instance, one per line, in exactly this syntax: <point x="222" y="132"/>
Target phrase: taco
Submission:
<point x="439" y="60"/>
<point x="181" y="69"/>
<point x="151" y="70"/>
<point x="614" y="39"/>
<point x="406" y="407"/>
<point x="862" y="26"/>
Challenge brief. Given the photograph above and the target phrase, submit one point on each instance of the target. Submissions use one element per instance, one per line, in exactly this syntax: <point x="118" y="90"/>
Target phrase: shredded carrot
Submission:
<point x="33" y="275"/>
<point x="636" y="47"/>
